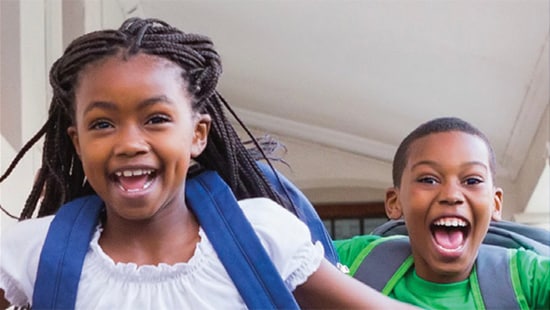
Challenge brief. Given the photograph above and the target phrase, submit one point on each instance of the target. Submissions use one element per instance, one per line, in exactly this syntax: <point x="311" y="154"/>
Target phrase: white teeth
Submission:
<point x="136" y="172"/>
<point x="135" y="190"/>
<point x="451" y="222"/>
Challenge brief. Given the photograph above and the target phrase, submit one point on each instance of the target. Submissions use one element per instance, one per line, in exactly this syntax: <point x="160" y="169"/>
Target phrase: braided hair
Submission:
<point x="61" y="176"/>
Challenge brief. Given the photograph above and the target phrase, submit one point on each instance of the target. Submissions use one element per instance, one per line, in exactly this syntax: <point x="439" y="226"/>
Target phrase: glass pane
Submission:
<point x="346" y="228"/>
<point x="371" y="223"/>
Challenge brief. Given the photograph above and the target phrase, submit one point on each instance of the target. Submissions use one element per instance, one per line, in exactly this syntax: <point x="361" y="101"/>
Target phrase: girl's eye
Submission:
<point x="158" y="119"/>
<point x="427" y="180"/>
<point x="100" y="124"/>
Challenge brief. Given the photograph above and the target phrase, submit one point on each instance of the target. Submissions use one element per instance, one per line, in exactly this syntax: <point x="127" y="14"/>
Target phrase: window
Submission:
<point x="345" y="220"/>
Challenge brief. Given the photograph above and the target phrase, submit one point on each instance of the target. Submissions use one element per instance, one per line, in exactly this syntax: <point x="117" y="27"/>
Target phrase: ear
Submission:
<point x="497" y="208"/>
<point x="73" y="134"/>
<point x="200" y="136"/>
<point x="392" y="205"/>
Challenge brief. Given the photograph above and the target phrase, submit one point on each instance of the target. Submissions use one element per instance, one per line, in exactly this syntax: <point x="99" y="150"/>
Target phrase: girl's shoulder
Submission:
<point x="27" y="233"/>
<point x="257" y="209"/>
<point x="271" y="220"/>
<point x="276" y="227"/>
<point x="20" y="247"/>
<point x="23" y="240"/>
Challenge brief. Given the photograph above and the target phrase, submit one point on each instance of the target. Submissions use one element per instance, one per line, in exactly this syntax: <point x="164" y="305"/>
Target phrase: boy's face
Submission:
<point x="447" y="198"/>
<point x="135" y="133"/>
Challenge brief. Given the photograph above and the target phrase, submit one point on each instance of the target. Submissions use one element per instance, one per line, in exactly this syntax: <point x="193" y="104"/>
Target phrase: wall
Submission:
<point x="24" y="59"/>
<point x="26" y="55"/>
<point x="532" y="185"/>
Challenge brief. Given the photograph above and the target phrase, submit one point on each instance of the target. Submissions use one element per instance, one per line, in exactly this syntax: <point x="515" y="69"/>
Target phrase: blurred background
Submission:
<point x="338" y="82"/>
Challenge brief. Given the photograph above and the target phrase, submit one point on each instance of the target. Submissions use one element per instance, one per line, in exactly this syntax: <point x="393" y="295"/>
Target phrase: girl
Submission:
<point x="131" y="111"/>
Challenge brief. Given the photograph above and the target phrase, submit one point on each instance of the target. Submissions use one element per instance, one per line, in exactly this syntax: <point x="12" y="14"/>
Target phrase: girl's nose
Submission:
<point x="131" y="142"/>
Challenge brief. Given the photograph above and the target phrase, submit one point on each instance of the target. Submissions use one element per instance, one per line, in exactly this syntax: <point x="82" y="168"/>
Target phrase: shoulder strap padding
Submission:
<point x="494" y="277"/>
<point x="387" y="256"/>
<point x="492" y="264"/>
<point x="303" y="208"/>
<point x="63" y="253"/>
<point x="218" y="212"/>
<point x="236" y="243"/>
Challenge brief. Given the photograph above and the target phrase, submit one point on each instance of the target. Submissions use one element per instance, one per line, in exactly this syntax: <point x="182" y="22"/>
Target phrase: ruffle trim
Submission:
<point x="309" y="259"/>
<point x="12" y="292"/>
<point x="154" y="273"/>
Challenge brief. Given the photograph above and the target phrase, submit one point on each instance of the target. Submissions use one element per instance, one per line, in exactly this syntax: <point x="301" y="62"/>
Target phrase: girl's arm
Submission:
<point x="329" y="288"/>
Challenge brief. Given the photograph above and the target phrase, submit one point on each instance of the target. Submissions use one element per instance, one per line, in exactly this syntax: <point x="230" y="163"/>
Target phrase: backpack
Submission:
<point x="217" y="211"/>
<point x="501" y="233"/>
<point x="495" y="285"/>
<point x="304" y="210"/>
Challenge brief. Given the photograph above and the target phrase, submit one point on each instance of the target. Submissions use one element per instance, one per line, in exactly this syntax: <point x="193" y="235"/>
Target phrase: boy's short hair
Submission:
<point x="437" y="125"/>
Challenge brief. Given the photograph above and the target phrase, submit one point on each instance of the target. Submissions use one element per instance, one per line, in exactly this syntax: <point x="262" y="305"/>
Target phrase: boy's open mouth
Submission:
<point x="450" y="233"/>
<point x="134" y="180"/>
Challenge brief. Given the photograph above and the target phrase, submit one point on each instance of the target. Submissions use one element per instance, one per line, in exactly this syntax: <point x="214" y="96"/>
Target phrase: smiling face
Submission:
<point x="447" y="198"/>
<point x="135" y="133"/>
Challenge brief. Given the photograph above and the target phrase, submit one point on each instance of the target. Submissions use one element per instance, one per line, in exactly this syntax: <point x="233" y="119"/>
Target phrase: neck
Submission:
<point x="168" y="237"/>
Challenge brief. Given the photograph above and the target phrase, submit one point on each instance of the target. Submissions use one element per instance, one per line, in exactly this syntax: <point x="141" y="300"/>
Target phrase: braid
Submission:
<point x="224" y="152"/>
<point x="61" y="177"/>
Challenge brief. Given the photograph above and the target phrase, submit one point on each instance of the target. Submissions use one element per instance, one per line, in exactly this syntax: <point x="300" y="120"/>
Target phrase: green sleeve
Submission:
<point x="534" y="275"/>
<point x="349" y="249"/>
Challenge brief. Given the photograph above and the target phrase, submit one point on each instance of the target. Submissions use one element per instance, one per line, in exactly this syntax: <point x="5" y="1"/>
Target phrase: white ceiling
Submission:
<point x="357" y="76"/>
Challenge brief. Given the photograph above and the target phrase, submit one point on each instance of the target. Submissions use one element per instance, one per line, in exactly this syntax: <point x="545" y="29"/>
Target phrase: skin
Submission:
<point x="447" y="176"/>
<point x="136" y="114"/>
<point x="131" y="115"/>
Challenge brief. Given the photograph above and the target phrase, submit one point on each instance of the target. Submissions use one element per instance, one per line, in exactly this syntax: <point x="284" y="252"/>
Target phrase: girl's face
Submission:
<point x="447" y="198"/>
<point x="135" y="133"/>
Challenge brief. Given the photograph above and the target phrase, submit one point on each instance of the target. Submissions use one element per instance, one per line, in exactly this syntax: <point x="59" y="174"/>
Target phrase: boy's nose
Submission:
<point x="131" y="143"/>
<point x="451" y="194"/>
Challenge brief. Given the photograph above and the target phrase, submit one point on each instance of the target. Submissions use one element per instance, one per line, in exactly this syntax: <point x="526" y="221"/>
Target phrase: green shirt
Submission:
<point x="533" y="275"/>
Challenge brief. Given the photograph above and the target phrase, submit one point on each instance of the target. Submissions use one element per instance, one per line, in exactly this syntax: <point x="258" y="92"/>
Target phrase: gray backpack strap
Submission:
<point x="494" y="277"/>
<point x="386" y="262"/>
<point x="392" y="252"/>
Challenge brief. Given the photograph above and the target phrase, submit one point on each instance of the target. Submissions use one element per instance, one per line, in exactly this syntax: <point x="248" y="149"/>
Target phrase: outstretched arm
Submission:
<point x="329" y="288"/>
<point x="4" y="304"/>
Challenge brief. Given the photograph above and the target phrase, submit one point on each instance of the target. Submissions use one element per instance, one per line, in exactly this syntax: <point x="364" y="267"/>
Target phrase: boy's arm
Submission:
<point x="329" y="288"/>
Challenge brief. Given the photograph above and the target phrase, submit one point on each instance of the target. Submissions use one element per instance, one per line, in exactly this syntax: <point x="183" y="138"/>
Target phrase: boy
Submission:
<point x="443" y="188"/>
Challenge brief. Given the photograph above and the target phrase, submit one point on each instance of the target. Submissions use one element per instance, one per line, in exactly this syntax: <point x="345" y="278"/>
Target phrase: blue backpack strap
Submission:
<point x="63" y="253"/>
<point x="304" y="210"/>
<point x="232" y="236"/>
<point x="494" y="277"/>
<point x="236" y="243"/>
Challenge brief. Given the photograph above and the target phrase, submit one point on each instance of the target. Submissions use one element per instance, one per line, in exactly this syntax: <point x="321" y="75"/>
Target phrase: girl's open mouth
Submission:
<point x="450" y="233"/>
<point x="134" y="180"/>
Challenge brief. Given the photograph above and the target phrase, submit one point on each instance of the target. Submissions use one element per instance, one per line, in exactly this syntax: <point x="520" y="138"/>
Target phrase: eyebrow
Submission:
<point x="107" y="105"/>
<point x="433" y="163"/>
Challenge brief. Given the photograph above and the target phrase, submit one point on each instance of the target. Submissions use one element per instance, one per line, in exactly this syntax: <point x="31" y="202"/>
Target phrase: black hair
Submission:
<point x="437" y="125"/>
<point x="61" y="177"/>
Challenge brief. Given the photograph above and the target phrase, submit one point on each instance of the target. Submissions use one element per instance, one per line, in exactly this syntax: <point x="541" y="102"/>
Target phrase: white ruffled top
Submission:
<point x="200" y="283"/>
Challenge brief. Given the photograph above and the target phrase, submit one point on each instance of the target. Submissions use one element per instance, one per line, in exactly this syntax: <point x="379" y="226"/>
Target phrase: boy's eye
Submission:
<point x="473" y="181"/>
<point x="158" y="119"/>
<point x="427" y="180"/>
<point x="100" y="124"/>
